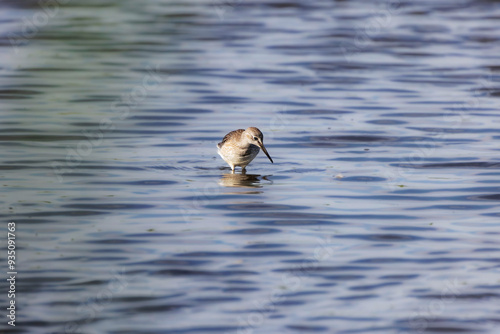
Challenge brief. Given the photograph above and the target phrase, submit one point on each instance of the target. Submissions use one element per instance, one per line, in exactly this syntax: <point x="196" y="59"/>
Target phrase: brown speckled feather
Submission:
<point x="235" y="133"/>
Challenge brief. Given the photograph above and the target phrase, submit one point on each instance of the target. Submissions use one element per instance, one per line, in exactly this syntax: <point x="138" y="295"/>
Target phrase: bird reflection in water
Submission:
<point x="242" y="180"/>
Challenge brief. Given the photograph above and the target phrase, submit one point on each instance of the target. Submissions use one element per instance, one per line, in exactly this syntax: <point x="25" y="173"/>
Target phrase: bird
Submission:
<point x="240" y="147"/>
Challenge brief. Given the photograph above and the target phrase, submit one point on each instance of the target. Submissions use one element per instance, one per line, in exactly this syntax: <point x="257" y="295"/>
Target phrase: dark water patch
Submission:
<point x="420" y="114"/>
<point x="277" y="177"/>
<point x="211" y="300"/>
<point x="427" y="28"/>
<point x="493" y="197"/>
<point x="239" y="281"/>
<point x="265" y="246"/>
<point x="320" y="80"/>
<point x="381" y="237"/>
<point x="364" y="158"/>
<point x="78" y="175"/>
<point x="463" y="296"/>
<point x="492" y="214"/>
<point x="222" y="99"/>
<point x="183" y="72"/>
<point x="239" y="254"/>
<point x="492" y="287"/>
<point x="304" y="170"/>
<point x="146" y="132"/>
<point x="171" y="145"/>
<point x="371" y="108"/>
<point x="360" y="138"/>
<point x="14" y="167"/>
<point x="137" y="183"/>
<point x="386" y="122"/>
<point x="94" y="98"/>
<point x="400" y="277"/>
<point x="202" y="91"/>
<point x="316" y="112"/>
<point x="266" y="71"/>
<point x="455" y="130"/>
<point x="289" y="302"/>
<point x="12" y="94"/>
<point x="109" y="259"/>
<point x="478" y="164"/>
<point x="255" y="206"/>
<point x="160" y="124"/>
<point x="343" y="277"/>
<point x="346" y="318"/>
<point x="488" y="181"/>
<point x="357" y="297"/>
<point x="450" y="329"/>
<point x="161" y="118"/>
<point x="486" y="250"/>
<point x="240" y="289"/>
<point x="295" y="222"/>
<point x="107" y="251"/>
<point x="291" y="215"/>
<point x="190" y="329"/>
<point x="307" y="216"/>
<point x="17" y="130"/>
<point x="50" y="280"/>
<point x="407" y="228"/>
<point x="61" y="303"/>
<point x="109" y="206"/>
<point x="445" y="260"/>
<point x="192" y="83"/>
<point x="295" y="81"/>
<point x="291" y="103"/>
<point x="302" y="293"/>
<point x="453" y="207"/>
<point x="192" y="272"/>
<point x="311" y="266"/>
<point x="433" y="102"/>
<point x="89" y="282"/>
<point x="139" y="299"/>
<point x="362" y="179"/>
<point x="307" y="328"/>
<point x="27" y="221"/>
<point x="107" y="167"/>
<point x="205" y="138"/>
<point x="40" y="138"/>
<point x="430" y="80"/>
<point x="115" y="241"/>
<point x="255" y="231"/>
<point x="150" y="235"/>
<point x="309" y="144"/>
<point x="373" y="286"/>
<point x="163" y="308"/>
<point x="442" y="189"/>
<point x="69" y="213"/>
<point x="51" y="68"/>
<point x="170" y="262"/>
<point x="184" y="111"/>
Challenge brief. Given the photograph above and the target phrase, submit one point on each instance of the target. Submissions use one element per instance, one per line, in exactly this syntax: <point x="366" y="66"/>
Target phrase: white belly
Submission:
<point x="235" y="156"/>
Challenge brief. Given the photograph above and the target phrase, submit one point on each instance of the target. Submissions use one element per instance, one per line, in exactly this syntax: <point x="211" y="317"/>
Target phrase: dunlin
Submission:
<point x="240" y="147"/>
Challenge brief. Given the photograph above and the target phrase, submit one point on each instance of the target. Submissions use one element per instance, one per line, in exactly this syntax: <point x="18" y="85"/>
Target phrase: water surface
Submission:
<point x="379" y="215"/>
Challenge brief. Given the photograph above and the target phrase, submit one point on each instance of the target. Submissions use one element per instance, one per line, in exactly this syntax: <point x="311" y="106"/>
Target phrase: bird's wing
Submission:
<point x="229" y="135"/>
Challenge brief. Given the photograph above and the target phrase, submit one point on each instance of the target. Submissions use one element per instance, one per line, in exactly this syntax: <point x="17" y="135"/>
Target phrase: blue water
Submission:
<point x="380" y="213"/>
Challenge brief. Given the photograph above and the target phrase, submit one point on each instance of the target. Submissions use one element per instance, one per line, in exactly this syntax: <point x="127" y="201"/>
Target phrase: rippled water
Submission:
<point x="379" y="215"/>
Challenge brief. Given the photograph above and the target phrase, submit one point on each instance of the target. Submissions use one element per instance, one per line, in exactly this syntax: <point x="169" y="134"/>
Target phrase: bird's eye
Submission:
<point x="255" y="138"/>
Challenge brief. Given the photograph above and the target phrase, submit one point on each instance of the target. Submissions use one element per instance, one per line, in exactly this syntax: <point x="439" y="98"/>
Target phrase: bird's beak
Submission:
<point x="265" y="151"/>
